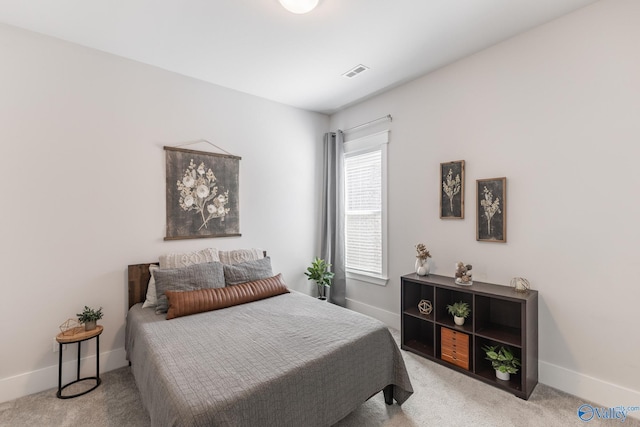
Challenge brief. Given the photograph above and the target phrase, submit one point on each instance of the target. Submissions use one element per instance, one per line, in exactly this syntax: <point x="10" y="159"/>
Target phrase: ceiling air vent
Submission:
<point x="355" y="71"/>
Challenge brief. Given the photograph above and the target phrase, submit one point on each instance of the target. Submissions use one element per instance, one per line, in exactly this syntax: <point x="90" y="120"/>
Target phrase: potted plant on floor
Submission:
<point x="319" y="273"/>
<point x="502" y="360"/>
<point x="89" y="317"/>
<point x="459" y="310"/>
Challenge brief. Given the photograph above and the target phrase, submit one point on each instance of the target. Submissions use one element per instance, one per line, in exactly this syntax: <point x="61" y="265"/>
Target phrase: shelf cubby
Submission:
<point x="445" y="297"/>
<point x="498" y="319"/>
<point x="418" y="336"/>
<point x="485" y="370"/>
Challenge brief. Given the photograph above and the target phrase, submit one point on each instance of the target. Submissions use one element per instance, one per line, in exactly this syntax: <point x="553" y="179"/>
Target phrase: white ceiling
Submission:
<point x="257" y="47"/>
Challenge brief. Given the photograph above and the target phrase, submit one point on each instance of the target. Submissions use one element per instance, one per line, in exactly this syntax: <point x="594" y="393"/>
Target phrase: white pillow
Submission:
<point x="240" y="255"/>
<point x="185" y="259"/>
<point x="152" y="298"/>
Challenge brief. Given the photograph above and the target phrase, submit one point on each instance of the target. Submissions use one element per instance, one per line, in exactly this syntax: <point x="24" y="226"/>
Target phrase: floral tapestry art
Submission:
<point x="199" y="193"/>
<point x="202" y="194"/>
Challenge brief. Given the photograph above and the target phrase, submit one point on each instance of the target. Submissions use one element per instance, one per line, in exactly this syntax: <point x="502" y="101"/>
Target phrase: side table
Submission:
<point x="77" y="336"/>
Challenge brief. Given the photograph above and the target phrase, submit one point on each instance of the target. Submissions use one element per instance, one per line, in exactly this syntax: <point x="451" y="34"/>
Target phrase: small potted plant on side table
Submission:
<point x="459" y="310"/>
<point x="502" y="360"/>
<point x="89" y="317"/>
<point x="319" y="273"/>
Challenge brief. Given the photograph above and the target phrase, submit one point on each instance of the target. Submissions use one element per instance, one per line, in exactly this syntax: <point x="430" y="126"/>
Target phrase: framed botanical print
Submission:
<point x="452" y="190"/>
<point x="491" y="210"/>
<point x="202" y="194"/>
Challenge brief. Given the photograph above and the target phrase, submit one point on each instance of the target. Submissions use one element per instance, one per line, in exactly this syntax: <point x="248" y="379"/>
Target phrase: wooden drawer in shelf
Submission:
<point x="456" y="359"/>
<point x="450" y="335"/>
<point x="454" y="347"/>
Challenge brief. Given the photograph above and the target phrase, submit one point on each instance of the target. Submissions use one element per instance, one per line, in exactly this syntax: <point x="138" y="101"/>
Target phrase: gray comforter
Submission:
<point x="289" y="360"/>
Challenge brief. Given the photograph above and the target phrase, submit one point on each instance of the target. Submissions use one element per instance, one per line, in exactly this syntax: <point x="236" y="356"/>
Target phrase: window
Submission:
<point x="365" y="208"/>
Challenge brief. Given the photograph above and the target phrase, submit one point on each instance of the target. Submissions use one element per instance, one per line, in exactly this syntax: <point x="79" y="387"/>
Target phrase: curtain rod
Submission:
<point x="387" y="117"/>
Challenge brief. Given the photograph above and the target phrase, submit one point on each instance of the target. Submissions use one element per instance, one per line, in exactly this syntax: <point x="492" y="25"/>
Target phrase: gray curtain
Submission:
<point x="332" y="238"/>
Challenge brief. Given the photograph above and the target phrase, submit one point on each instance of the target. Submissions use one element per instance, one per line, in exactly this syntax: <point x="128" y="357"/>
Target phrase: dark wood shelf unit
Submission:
<point x="499" y="315"/>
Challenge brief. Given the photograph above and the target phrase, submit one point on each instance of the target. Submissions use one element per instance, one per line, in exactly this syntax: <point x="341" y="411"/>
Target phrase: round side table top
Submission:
<point x="78" y="334"/>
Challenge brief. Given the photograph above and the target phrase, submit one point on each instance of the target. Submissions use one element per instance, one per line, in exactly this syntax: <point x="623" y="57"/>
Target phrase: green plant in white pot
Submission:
<point x="89" y="317"/>
<point x="502" y="360"/>
<point x="459" y="310"/>
<point x="319" y="273"/>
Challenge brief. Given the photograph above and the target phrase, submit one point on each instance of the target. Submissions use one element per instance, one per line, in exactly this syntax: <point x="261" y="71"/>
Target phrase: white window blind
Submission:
<point x="365" y="208"/>
<point x="363" y="182"/>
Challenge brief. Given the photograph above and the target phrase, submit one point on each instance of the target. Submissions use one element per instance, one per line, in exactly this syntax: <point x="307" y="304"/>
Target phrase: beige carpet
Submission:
<point x="442" y="397"/>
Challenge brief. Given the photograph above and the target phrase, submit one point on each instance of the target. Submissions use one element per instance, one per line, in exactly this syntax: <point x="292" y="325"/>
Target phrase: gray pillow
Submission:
<point x="197" y="276"/>
<point x="234" y="274"/>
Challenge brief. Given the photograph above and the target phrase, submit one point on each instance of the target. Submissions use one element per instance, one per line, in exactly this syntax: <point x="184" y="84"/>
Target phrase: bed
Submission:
<point x="285" y="360"/>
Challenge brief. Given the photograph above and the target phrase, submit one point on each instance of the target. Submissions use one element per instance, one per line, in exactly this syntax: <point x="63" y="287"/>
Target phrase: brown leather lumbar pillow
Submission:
<point x="184" y="303"/>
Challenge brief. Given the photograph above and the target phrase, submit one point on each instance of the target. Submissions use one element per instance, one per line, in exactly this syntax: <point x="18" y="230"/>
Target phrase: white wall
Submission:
<point x="554" y="110"/>
<point x="83" y="188"/>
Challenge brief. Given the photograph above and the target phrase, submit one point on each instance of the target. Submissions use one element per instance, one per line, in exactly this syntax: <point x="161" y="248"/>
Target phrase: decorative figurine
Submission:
<point x="520" y="284"/>
<point x="425" y="307"/>
<point x="463" y="274"/>
<point x="70" y="327"/>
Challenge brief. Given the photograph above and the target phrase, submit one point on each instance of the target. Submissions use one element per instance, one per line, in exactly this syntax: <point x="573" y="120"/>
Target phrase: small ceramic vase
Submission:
<point x="422" y="267"/>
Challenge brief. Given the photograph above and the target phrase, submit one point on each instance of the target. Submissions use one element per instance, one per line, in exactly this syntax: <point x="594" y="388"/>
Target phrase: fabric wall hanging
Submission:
<point x="202" y="194"/>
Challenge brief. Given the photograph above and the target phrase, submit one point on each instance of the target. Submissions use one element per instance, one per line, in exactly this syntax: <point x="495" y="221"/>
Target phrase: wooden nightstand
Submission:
<point x="78" y="335"/>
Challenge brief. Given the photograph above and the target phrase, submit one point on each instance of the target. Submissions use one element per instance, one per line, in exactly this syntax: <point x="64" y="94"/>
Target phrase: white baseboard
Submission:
<point x="391" y="319"/>
<point x="47" y="378"/>
<point x="594" y="391"/>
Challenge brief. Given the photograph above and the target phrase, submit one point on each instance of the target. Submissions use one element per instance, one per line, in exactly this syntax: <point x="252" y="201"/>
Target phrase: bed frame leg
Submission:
<point x="388" y="394"/>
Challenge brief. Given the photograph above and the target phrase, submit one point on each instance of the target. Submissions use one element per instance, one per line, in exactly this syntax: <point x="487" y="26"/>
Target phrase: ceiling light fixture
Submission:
<point x="299" y="6"/>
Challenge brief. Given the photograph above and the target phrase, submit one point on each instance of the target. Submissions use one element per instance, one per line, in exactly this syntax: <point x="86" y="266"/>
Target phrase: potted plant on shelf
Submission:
<point x="502" y="360"/>
<point x="459" y="310"/>
<point x="89" y="317"/>
<point x="319" y="273"/>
